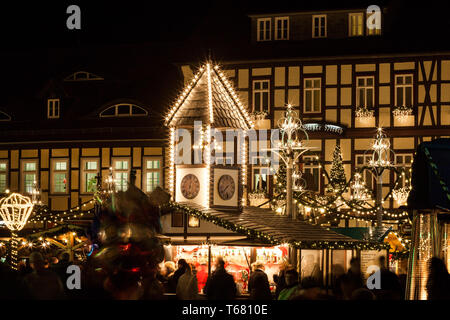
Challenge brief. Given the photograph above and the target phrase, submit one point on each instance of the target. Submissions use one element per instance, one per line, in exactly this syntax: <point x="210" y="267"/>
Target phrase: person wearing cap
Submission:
<point x="42" y="283"/>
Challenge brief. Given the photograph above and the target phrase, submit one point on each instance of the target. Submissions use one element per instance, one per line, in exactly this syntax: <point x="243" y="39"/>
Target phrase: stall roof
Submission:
<point x="265" y="226"/>
<point x="431" y="176"/>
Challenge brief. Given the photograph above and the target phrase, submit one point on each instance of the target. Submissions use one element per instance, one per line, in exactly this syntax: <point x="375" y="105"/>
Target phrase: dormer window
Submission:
<point x="53" y="108"/>
<point x="124" y="110"/>
<point x="264" y="29"/>
<point x="82" y="76"/>
<point x="282" y="28"/>
<point x="4" y="116"/>
<point x="319" y="26"/>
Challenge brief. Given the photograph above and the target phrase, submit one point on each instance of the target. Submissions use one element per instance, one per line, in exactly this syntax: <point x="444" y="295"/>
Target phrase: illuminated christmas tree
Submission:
<point x="337" y="174"/>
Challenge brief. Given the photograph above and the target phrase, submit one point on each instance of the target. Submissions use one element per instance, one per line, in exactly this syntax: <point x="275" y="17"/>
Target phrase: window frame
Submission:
<point x="116" y="111"/>
<point x="311" y="166"/>
<point x="260" y="167"/>
<point x="366" y="159"/>
<point x="373" y="32"/>
<point x="114" y="170"/>
<point x="6" y="173"/>
<point x="172" y="219"/>
<point x="84" y="171"/>
<point x="286" y="18"/>
<point x="404" y="86"/>
<point x="52" y="102"/>
<point x="258" y="29"/>
<point x="324" y="27"/>
<point x="408" y="165"/>
<point x="365" y="87"/>
<point x="23" y="173"/>
<point x="312" y="95"/>
<point x="146" y="170"/>
<point x="356" y="14"/>
<point x="261" y="91"/>
<point x="53" y="171"/>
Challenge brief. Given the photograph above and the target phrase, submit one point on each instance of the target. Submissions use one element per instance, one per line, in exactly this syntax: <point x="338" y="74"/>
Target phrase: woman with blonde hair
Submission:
<point x="258" y="284"/>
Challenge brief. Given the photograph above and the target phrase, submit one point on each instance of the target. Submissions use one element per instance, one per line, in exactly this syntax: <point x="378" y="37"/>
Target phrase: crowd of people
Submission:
<point x="45" y="278"/>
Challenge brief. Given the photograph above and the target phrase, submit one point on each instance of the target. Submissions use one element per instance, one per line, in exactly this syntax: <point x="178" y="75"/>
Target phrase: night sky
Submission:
<point x="42" y="24"/>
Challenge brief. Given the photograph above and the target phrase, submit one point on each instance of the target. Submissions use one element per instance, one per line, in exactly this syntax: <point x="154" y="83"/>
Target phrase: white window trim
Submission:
<point x="350" y="15"/>
<point x="22" y="172"/>
<point x="6" y="172"/>
<point x="258" y="29"/>
<point x="83" y="171"/>
<point x="114" y="160"/>
<point x="319" y="16"/>
<point x="312" y="89"/>
<point x="145" y="170"/>
<point x="54" y="101"/>
<point x="254" y="91"/>
<point x="403" y="86"/>
<point x="53" y="171"/>
<point x="276" y="28"/>
<point x="365" y="87"/>
<point x="312" y="166"/>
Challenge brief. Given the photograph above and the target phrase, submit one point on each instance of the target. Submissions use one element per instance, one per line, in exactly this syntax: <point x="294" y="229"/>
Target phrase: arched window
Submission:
<point x="82" y="76"/>
<point x="124" y="110"/>
<point x="4" y="116"/>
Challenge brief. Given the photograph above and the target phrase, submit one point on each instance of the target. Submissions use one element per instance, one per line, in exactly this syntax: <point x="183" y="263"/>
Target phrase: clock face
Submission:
<point x="190" y="186"/>
<point x="226" y="187"/>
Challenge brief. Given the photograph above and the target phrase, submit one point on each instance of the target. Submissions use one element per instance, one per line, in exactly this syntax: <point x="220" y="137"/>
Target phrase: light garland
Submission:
<point x="208" y="165"/>
<point x="244" y="166"/>
<point x="402" y="113"/>
<point x="363" y="113"/>
<point x="210" y="103"/>
<point x="172" y="162"/>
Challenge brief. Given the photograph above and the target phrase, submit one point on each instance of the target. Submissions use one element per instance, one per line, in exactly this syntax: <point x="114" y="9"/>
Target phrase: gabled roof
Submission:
<point x="209" y="98"/>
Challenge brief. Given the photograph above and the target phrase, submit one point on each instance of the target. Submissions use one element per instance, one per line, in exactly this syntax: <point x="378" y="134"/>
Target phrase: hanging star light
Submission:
<point x="15" y="211"/>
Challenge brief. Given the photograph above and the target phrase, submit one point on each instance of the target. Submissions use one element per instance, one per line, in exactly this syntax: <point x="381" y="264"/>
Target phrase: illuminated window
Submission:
<point x="312" y="93"/>
<point x="121" y="171"/>
<point x="90" y="168"/>
<point x="124" y="110"/>
<point x="282" y="28"/>
<point x="53" y="108"/>
<point x="404" y="90"/>
<point x="261" y="95"/>
<point x="29" y="175"/>
<point x="319" y="26"/>
<point x="152" y="173"/>
<point x="355" y="24"/>
<point x="375" y="31"/>
<point x="404" y="160"/>
<point x="311" y="173"/>
<point x="3" y="175"/>
<point x="261" y="179"/>
<point x="263" y="29"/>
<point x="365" y="92"/>
<point x="60" y="175"/>
<point x="193" y="222"/>
<point x="368" y="177"/>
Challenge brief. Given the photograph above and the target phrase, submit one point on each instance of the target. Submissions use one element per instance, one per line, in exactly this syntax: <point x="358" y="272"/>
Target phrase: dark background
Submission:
<point x="42" y="24"/>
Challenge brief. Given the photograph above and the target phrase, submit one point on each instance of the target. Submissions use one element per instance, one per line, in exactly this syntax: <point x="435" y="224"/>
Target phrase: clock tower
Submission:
<point x="208" y="150"/>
